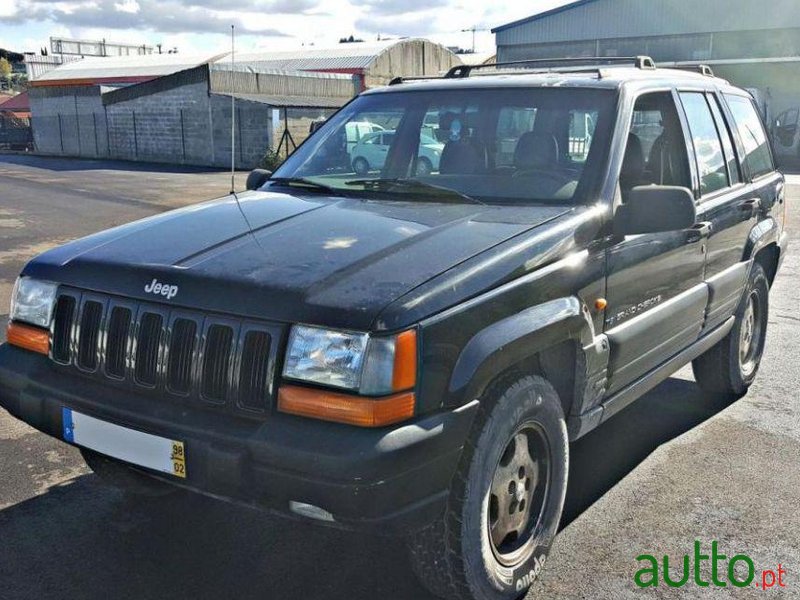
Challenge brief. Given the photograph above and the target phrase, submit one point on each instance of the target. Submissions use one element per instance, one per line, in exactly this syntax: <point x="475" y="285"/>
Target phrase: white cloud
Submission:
<point x="202" y="25"/>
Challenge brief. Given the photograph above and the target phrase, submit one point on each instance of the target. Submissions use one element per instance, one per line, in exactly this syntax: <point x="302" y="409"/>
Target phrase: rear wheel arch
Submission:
<point x="768" y="257"/>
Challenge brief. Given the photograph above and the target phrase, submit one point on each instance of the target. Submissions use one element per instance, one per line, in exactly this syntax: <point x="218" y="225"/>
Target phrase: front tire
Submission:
<point x="729" y="368"/>
<point x="424" y="167"/>
<point x="361" y="166"/>
<point x="506" y="499"/>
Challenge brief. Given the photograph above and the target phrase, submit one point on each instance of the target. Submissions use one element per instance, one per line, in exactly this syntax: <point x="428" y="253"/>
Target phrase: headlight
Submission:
<point x="32" y="301"/>
<point x="371" y="366"/>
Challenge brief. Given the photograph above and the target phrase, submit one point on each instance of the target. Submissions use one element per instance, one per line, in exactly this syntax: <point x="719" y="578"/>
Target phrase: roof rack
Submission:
<point x="640" y="62"/>
<point x="702" y="69"/>
<point x="399" y="79"/>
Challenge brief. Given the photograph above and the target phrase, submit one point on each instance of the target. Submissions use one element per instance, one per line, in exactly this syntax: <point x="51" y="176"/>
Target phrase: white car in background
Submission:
<point x="370" y="153"/>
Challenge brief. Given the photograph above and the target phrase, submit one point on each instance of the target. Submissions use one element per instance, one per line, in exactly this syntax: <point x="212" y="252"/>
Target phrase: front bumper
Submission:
<point x="390" y="480"/>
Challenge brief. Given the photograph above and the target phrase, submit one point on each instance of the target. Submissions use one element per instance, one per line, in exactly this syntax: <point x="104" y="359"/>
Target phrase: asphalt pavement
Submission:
<point x="673" y="468"/>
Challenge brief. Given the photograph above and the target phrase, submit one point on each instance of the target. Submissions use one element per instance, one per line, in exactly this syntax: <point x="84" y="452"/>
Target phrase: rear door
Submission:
<point x="655" y="289"/>
<point x="726" y="202"/>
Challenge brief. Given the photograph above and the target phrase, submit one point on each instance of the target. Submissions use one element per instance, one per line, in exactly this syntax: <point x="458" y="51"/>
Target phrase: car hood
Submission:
<point x="293" y="258"/>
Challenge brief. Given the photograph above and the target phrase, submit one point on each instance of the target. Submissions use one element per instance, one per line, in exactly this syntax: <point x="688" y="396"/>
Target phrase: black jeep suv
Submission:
<point x="408" y="344"/>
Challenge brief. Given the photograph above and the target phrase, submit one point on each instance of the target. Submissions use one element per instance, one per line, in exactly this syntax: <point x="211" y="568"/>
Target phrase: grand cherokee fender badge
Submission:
<point x="161" y="289"/>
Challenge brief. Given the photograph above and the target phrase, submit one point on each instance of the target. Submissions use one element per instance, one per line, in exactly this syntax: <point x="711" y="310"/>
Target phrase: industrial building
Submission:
<point x="754" y="44"/>
<point x="176" y="108"/>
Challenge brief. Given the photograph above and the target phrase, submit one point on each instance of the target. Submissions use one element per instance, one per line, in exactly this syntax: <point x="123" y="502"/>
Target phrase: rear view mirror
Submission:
<point x="257" y="178"/>
<point x="655" y="209"/>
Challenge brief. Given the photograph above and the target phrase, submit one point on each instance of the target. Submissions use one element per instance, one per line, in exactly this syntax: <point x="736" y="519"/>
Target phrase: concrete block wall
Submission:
<point x="154" y="127"/>
<point x="63" y="120"/>
<point x="173" y="121"/>
<point x="300" y="120"/>
<point x="252" y="131"/>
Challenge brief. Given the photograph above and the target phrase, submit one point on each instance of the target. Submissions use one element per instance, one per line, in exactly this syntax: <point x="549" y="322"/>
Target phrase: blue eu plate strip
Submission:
<point x="69" y="428"/>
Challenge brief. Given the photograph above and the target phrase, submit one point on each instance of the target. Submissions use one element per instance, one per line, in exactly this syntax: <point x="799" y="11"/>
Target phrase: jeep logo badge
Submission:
<point x="161" y="289"/>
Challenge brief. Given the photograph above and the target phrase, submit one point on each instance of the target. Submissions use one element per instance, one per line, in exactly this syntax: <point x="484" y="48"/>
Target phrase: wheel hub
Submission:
<point x="516" y="496"/>
<point x="749" y="336"/>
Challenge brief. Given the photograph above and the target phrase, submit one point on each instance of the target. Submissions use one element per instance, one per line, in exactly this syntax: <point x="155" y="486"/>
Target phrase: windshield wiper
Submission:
<point x="388" y="184"/>
<point x="304" y="183"/>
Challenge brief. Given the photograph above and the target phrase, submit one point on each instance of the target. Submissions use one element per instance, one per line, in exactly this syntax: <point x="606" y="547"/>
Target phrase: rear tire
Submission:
<point x="729" y="368"/>
<point x="506" y="499"/>
<point x="120" y="476"/>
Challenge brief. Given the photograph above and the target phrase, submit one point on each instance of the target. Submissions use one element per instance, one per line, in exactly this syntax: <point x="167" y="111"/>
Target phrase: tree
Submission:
<point x="5" y="68"/>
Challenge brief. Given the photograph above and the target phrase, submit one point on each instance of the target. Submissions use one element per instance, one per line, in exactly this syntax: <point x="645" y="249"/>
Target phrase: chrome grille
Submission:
<point x="210" y="359"/>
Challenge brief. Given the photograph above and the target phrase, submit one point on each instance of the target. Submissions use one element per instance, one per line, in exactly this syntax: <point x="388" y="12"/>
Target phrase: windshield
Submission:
<point x="491" y="145"/>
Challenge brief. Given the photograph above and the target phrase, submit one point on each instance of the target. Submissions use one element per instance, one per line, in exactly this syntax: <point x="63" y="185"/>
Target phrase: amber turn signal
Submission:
<point x="29" y="337"/>
<point x="345" y="408"/>
<point x="404" y="375"/>
<point x="600" y="304"/>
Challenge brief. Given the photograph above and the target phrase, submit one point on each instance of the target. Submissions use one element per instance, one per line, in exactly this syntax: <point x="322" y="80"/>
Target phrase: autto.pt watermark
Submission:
<point x="707" y="567"/>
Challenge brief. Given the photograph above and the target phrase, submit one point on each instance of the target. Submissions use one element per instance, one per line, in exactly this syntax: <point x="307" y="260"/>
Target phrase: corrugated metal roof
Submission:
<point x="291" y="101"/>
<point x="123" y="68"/>
<point x="19" y="102"/>
<point x="342" y="57"/>
<point x="356" y="55"/>
<point x="602" y="19"/>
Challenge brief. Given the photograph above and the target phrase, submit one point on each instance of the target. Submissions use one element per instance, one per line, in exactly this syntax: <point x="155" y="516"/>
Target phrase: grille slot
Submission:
<point x="148" y="342"/>
<point x="216" y="363"/>
<point x="119" y="325"/>
<point x="89" y="334"/>
<point x="62" y="329"/>
<point x="181" y="355"/>
<point x="253" y="376"/>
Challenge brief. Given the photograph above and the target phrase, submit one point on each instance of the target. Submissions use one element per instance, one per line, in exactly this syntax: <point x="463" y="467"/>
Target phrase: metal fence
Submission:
<point x="15" y="133"/>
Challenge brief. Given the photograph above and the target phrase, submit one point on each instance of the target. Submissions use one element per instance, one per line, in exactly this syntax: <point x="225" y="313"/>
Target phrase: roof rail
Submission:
<point x="702" y="69"/>
<point x="399" y="79"/>
<point x="640" y="62"/>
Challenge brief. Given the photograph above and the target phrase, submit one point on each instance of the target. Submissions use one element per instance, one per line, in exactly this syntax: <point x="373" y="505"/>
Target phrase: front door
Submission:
<point x="656" y="293"/>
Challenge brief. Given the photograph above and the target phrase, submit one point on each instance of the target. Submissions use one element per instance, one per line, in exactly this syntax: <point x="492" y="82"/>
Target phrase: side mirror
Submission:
<point x="257" y="178"/>
<point x="655" y="209"/>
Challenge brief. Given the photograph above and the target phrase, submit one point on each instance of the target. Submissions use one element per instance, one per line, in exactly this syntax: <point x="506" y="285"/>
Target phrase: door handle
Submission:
<point x="700" y="231"/>
<point x="751" y="206"/>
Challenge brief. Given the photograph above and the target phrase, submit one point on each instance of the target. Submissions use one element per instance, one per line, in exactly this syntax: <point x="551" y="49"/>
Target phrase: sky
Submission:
<point x="201" y="26"/>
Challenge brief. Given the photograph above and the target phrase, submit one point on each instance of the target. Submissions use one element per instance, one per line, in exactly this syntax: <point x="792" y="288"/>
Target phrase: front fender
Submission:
<point x="508" y="341"/>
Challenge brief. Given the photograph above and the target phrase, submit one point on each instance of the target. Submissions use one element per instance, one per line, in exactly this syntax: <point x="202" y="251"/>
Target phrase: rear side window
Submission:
<point x="727" y="141"/>
<point x="757" y="155"/>
<point x="711" y="166"/>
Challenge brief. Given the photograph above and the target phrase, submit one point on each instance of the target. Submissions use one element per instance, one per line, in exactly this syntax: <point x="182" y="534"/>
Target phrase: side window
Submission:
<point x="727" y="141"/>
<point x="711" y="165"/>
<point x="757" y="155"/>
<point x="656" y="149"/>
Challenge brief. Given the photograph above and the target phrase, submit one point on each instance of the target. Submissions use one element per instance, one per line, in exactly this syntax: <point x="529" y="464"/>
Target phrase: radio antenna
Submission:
<point x="233" y="111"/>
